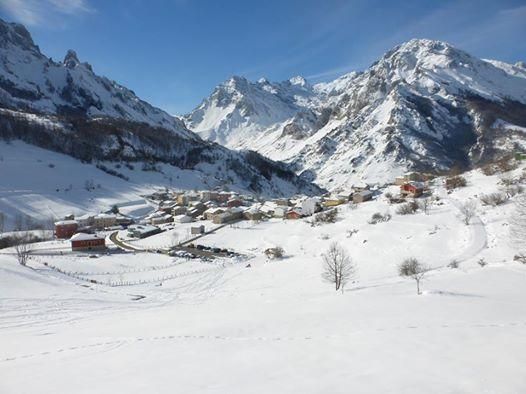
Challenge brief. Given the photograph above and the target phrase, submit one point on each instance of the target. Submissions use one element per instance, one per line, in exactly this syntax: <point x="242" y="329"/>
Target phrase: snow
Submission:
<point x="219" y="327"/>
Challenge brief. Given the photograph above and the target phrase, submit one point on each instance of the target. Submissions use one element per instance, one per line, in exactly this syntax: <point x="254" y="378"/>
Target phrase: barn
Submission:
<point x="87" y="242"/>
<point x="412" y="189"/>
<point x="294" y="214"/>
<point x="64" y="229"/>
<point x="362" y="196"/>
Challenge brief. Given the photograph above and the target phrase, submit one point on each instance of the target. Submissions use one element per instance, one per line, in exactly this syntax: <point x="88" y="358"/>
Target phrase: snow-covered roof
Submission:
<point x="105" y="216"/>
<point x="65" y="222"/>
<point x="85" y="237"/>
<point x="143" y="228"/>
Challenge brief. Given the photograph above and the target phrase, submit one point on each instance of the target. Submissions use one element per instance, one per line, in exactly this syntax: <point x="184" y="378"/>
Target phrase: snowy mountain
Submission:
<point x="424" y="105"/>
<point x="67" y="108"/>
<point x="239" y="110"/>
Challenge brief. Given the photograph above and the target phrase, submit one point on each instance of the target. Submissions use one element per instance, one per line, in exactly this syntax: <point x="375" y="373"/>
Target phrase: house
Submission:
<point x="142" y="231"/>
<point x="412" y="189"/>
<point x="196" y="208"/>
<point x="183" y="219"/>
<point x="409" y="177"/>
<point x="362" y="196"/>
<point x="346" y="196"/>
<point x="333" y="201"/>
<point x="166" y="218"/>
<point x="294" y="213"/>
<point x="223" y="197"/>
<point x="234" y="202"/>
<point x="211" y="212"/>
<point x="86" y="220"/>
<point x="159" y="195"/>
<point x="123" y="220"/>
<point x="167" y="206"/>
<point x="103" y="220"/>
<point x="64" y="229"/>
<point x="267" y="208"/>
<point x="228" y="216"/>
<point x="360" y="187"/>
<point x="178" y="210"/>
<point x="400" y="180"/>
<point x="280" y="211"/>
<point x="310" y="206"/>
<point x="197" y="230"/>
<point x="283" y="202"/>
<point x="209" y="195"/>
<point x="87" y="242"/>
<point x="253" y="214"/>
<point x="182" y="199"/>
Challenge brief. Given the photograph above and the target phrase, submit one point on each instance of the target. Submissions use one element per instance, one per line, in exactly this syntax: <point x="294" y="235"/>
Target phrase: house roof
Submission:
<point x="85" y="237"/>
<point x="365" y="193"/>
<point x="65" y="222"/>
<point x="143" y="228"/>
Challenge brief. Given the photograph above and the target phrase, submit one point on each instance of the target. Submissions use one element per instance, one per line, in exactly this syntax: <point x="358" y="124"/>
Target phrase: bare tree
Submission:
<point x="2" y="222"/>
<point x="19" y="222"/>
<point x="23" y="249"/>
<point x="467" y="210"/>
<point x="424" y="204"/>
<point x="338" y="267"/>
<point x="518" y="224"/>
<point x="413" y="269"/>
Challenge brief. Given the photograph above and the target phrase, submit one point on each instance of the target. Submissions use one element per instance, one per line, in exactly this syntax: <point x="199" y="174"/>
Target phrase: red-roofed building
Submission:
<point x="412" y="189"/>
<point x="87" y="242"/>
<point x="64" y="229"/>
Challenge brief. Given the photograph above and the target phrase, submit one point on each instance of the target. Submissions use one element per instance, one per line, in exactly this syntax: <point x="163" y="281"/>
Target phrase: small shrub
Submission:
<point x="378" y="218"/>
<point x="276" y="252"/>
<point x="454" y="264"/>
<point x="521" y="258"/>
<point x="408" y="208"/>
<point x="455" y="182"/>
<point x="51" y="165"/>
<point x="513" y="190"/>
<point x="493" y="199"/>
<point x="482" y="262"/>
<point x="325" y="217"/>
<point x="350" y="233"/>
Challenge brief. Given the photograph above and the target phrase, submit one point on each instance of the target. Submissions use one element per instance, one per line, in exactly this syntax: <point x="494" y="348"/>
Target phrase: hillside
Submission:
<point x="66" y="108"/>
<point x="424" y="105"/>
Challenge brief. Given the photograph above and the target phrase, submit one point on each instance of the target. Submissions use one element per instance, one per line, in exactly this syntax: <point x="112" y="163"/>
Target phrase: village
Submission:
<point x="196" y="213"/>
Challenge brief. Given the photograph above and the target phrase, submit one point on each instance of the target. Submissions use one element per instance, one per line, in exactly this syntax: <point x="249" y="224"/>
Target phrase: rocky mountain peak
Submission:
<point x="298" y="81"/>
<point x="15" y="34"/>
<point x="71" y="59"/>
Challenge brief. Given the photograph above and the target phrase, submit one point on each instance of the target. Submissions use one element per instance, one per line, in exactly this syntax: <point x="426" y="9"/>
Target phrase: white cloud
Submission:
<point x="38" y="12"/>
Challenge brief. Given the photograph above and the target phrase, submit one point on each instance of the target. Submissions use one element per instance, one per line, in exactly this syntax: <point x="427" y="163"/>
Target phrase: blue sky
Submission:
<point x="173" y="52"/>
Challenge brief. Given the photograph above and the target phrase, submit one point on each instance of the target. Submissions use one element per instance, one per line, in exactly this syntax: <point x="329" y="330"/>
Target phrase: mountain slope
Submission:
<point x="67" y="108"/>
<point x="424" y="105"/>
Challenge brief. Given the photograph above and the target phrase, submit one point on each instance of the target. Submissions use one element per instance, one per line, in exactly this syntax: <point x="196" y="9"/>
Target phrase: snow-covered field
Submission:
<point x="223" y="327"/>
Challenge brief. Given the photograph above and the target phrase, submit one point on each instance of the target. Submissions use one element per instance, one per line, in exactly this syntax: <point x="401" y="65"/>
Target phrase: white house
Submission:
<point x="310" y="206"/>
<point x="183" y="219"/>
